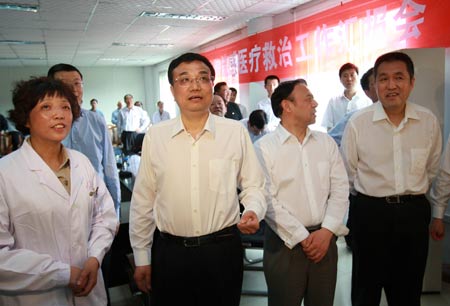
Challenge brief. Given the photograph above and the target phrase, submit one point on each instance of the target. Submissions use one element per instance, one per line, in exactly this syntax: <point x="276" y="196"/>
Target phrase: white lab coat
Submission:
<point x="44" y="230"/>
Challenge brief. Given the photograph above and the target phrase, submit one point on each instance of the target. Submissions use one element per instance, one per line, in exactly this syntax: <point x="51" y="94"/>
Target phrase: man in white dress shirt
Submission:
<point x="391" y="150"/>
<point x="132" y="121"/>
<point x="191" y="167"/>
<point x="270" y="83"/>
<point x="307" y="188"/>
<point x="160" y="114"/>
<point x="349" y="101"/>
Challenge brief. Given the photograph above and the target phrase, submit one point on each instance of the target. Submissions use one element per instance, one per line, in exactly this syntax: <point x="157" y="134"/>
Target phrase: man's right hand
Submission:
<point x="142" y="277"/>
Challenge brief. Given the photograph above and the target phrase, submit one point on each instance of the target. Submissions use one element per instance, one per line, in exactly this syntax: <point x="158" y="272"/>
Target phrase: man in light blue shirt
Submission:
<point x="160" y="114"/>
<point x="89" y="134"/>
<point x="115" y="114"/>
<point x="368" y="85"/>
<point x="256" y="124"/>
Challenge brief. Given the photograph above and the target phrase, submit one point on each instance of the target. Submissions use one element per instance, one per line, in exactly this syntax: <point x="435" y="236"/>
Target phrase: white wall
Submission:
<point x="447" y="95"/>
<point x="107" y="84"/>
<point x="429" y="71"/>
<point x="10" y="75"/>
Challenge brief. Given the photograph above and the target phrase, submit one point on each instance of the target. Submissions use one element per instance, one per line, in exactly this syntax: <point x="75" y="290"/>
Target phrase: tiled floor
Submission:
<point x="121" y="296"/>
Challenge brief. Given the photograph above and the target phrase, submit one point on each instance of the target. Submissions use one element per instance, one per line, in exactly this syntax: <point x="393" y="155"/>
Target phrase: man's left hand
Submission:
<point x="249" y="223"/>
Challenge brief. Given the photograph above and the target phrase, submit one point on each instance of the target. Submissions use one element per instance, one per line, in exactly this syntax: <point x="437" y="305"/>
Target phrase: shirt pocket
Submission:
<point x="222" y="178"/>
<point x="324" y="174"/>
<point x="418" y="161"/>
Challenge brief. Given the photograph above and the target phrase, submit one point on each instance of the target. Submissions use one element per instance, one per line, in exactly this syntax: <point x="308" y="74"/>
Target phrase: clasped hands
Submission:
<point x="82" y="281"/>
<point x="316" y="244"/>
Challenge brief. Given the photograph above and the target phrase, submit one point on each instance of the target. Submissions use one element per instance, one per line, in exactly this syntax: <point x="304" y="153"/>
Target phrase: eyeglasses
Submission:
<point x="186" y="81"/>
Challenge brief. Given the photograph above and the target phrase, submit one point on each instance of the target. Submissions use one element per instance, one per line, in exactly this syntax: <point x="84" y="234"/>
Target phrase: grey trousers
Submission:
<point x="292" y="277"/>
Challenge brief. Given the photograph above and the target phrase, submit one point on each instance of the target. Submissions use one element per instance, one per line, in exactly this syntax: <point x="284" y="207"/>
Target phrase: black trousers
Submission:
<point x="390" y="248"/>
<point x="106" y="272"/>
<point x="349" y="236"/>
<point x="205" y="275"/>
<point x="128" y="141"/>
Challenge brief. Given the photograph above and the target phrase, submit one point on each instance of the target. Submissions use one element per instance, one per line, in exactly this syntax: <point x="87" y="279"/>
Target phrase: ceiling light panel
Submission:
<point x="19" y="7"/>
<point x="20" y="42"/>
<point x="182" y="16"/>
<point x="142" y="45"/>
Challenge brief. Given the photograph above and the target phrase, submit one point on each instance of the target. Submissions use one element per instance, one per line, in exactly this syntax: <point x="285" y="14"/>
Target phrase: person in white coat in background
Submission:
<point x="57" y="219"/>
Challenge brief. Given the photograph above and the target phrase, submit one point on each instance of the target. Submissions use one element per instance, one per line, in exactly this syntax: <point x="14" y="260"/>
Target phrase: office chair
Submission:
<point x="253" y="241"/>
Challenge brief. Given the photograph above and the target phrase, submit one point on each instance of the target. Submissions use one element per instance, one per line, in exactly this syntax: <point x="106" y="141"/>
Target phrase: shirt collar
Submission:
<point x="380" y="114"/>
<point x="66" y="160"/>
<point x="357" y="96"/>
<point x="210" y="126"/>
<point x="285" y="135"/>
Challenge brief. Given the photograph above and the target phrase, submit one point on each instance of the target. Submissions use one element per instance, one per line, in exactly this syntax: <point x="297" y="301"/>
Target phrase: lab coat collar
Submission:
<point x="47" y="176"/>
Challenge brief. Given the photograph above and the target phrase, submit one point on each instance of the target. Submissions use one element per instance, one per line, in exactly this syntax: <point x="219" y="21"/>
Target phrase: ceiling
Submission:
<point x="86" y="32"/>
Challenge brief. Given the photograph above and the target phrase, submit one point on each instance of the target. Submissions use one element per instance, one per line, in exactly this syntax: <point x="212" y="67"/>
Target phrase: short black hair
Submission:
<point x="188" y="58"/>
<point x="233" y="89"/>
<point x="348" y="66"/>
<point x="365" y="79"/>
<point x="282" y="92"/>
<point x="27" y="94"/>
<point x="392" y="57"/>
<point x="62" y="67"/>
<point x="271" y="77"/>
<point x="302" y="81"/>
<point x="218" y="86"/>
<point x="127" y="95"/>
<point x="258" y="118"/>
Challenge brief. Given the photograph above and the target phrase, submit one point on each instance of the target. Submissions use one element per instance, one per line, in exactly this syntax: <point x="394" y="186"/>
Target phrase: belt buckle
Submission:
<point x="394" y="199"/>
<point x="191" y="242"/>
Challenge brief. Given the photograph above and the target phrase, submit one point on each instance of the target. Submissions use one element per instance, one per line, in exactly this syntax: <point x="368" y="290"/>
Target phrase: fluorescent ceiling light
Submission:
<point x="142" y="45"/>
<point x="22" y="58"/>
<point x="110" y="59"/>
<point x="182" y="16"/>
<point x="19" y="7"/>
<point x="20" y="42"/>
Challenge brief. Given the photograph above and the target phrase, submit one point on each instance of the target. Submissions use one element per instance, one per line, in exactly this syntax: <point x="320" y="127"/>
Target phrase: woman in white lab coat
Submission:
<point x="57" y="218"/>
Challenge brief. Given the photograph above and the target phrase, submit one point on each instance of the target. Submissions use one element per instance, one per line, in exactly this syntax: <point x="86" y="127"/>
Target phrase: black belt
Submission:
<point x="189" y="242"/>
<point x="314" y="228"/>
<point x="395" y="199"/>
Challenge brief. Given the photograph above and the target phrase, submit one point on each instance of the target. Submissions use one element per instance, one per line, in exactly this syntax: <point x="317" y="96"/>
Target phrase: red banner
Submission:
<point x="358" y="32"/>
